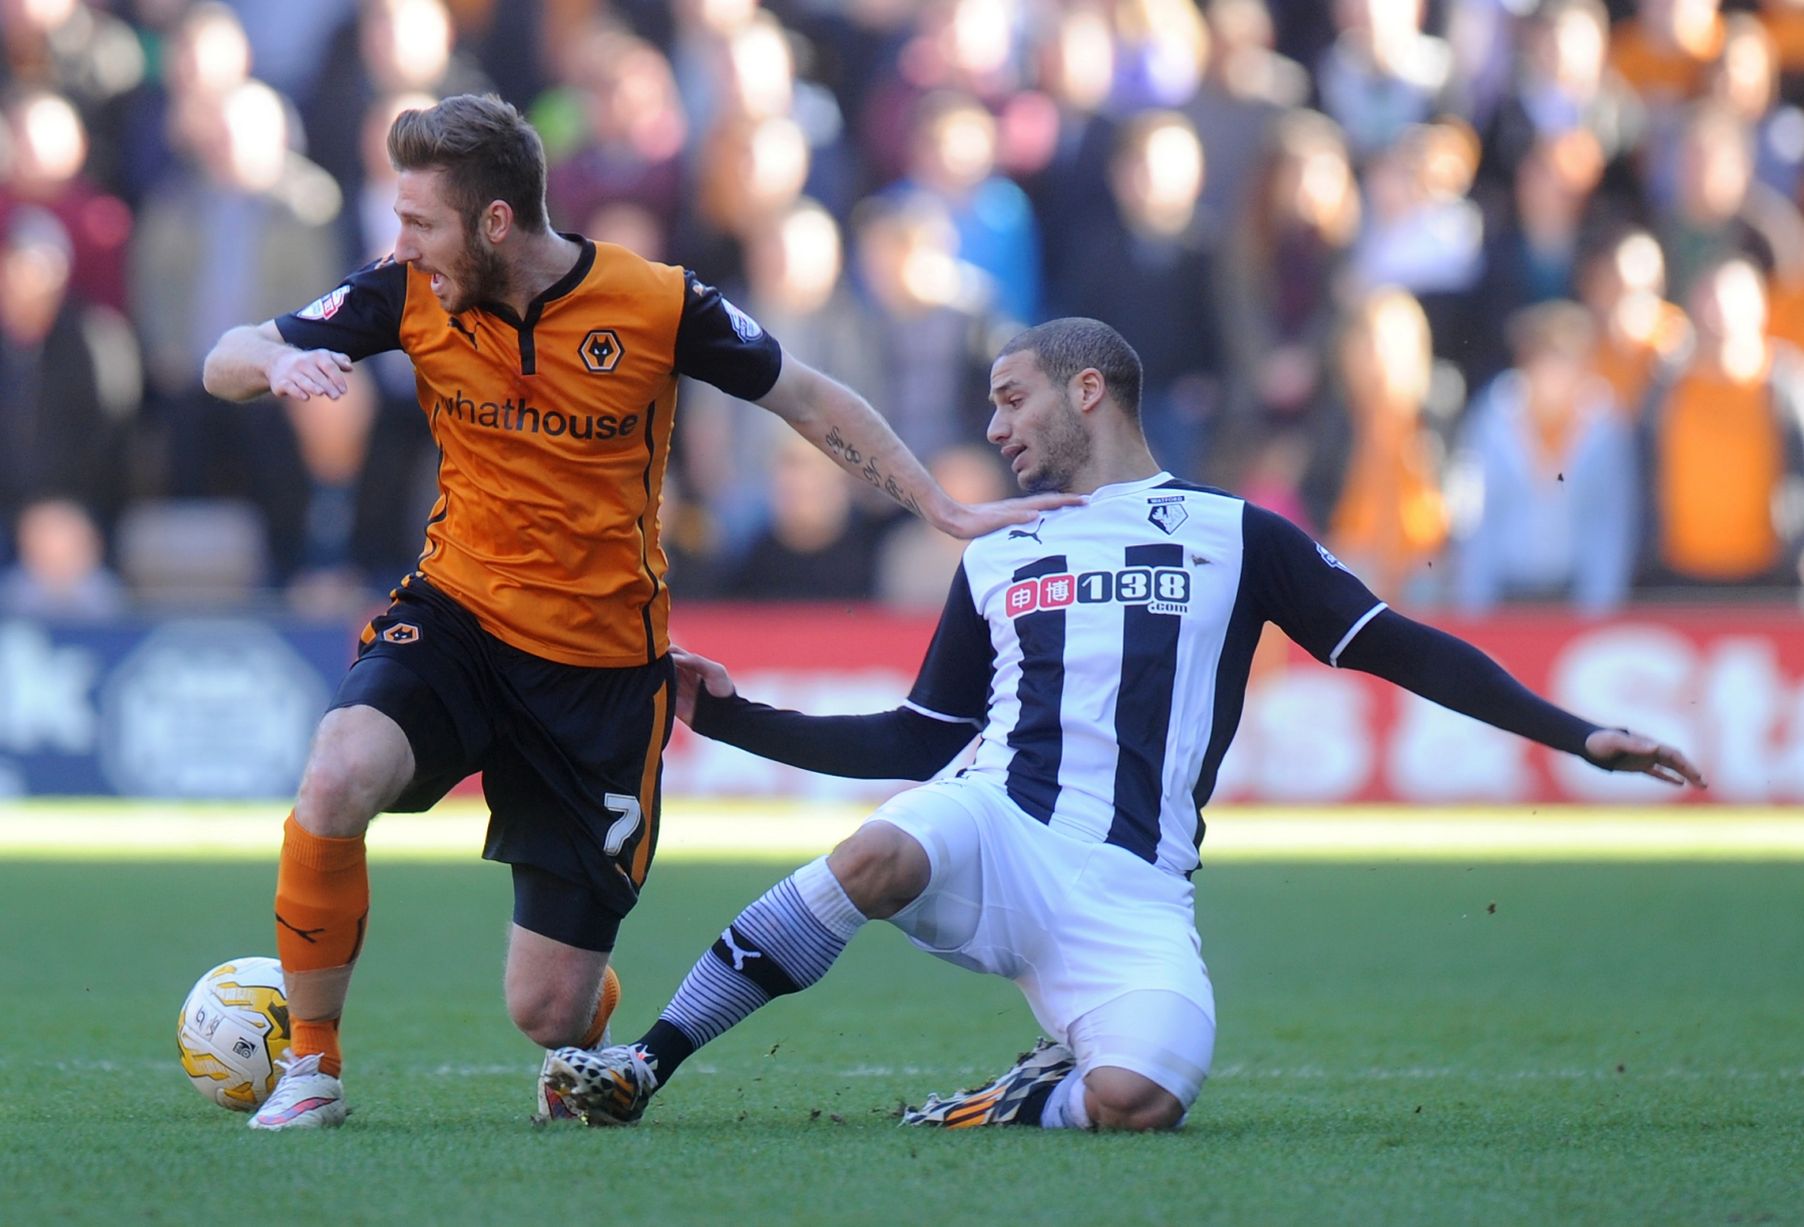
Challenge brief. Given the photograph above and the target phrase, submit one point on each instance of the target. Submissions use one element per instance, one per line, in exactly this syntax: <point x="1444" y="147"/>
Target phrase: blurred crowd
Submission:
<point x="1502" y="299"/>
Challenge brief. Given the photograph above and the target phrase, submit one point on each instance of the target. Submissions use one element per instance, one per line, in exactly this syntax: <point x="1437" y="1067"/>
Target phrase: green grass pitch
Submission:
<point x="1424" y="1042"/>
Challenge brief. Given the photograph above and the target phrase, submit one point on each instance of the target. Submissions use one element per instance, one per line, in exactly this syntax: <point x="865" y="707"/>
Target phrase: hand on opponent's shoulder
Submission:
<point x="970" y="520"/>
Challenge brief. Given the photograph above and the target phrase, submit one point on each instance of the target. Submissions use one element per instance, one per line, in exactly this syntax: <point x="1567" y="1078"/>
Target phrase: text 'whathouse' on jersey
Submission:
<point x="553" y="430"/>
<point x="524" y="417"/>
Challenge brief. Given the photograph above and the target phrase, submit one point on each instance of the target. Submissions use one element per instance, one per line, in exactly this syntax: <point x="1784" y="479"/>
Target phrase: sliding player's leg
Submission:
<point x="1141" y="1061"/>
<point x="1104" y="947"/>
<point x="783" y="943"/>
<point x="1135" y="1064"/>
<point x="1017" y="1096"/>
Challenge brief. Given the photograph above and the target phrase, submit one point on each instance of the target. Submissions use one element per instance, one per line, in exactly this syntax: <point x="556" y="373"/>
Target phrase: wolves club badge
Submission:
<point x="325" y="307"/>
<point x="401" y="632"/>
<point x="601" y="350"/>
<point x="1167" y="516"/>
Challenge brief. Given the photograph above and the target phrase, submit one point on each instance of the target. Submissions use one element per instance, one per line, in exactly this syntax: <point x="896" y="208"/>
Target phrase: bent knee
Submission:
<point x="881" y="868"/>
<point x="1122" y="1099"/>
<point x="551" y="1019"/>
<point x="335" y="798"/>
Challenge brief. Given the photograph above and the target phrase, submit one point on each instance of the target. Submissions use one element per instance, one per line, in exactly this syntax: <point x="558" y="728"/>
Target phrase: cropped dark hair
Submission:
<point x="1066" y="346"/>
<point x="486" y="150"/>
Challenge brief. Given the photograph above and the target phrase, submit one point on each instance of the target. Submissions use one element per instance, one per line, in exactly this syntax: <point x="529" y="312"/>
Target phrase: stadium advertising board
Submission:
<point x="214" y="707"/>
<point x="1726" y="683"/>
<point x="225" y="707"/>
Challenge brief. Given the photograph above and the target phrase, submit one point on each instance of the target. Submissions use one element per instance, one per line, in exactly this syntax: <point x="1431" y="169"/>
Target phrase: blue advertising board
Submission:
<point x="181" y="707"/>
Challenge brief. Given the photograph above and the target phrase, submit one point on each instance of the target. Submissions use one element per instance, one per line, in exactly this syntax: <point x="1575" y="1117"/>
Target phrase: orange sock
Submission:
<point x="322" y="904"/>
<point x="604" y="1009"/>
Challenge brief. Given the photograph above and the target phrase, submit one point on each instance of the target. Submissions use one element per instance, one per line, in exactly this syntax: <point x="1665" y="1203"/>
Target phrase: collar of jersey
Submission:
<point x="585" y="260"/>
<point x="1117" y="489"/>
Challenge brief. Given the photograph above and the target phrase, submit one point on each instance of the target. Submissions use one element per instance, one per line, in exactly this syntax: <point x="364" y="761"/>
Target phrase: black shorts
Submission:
<point x="571" y="757"/>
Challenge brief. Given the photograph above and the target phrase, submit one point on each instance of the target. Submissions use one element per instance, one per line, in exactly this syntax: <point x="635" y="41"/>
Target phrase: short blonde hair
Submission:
<point x="486" y="150"/>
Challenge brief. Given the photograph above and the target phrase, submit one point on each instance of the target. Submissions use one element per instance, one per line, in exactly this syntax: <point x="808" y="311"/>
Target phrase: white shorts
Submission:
<point x="1156" y="1034"/>
<point x="1075" y="923"/>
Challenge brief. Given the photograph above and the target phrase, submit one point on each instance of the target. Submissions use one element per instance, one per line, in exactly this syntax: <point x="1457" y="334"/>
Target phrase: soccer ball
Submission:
<point x="233" y="1029"/>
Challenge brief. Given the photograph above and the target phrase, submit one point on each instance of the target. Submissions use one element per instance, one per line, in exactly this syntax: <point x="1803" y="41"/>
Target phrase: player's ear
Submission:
<point x="496" y="221"/>
<point x="1090" y="388"/>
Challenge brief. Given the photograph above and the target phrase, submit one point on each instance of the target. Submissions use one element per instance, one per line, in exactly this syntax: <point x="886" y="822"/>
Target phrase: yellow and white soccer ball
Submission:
<point x="233" y="1030"/>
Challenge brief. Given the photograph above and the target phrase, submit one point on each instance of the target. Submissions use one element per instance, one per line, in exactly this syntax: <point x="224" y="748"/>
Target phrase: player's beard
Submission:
<point x="480" y="276"/>
<point x="1061" y="451"/>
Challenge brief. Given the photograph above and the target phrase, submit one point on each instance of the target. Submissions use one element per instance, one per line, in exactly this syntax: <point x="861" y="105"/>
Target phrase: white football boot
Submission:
<point x="305" y="1098"/>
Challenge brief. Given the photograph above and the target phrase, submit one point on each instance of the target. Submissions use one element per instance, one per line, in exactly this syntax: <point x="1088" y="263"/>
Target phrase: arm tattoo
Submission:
<point x="849" y="456"/>
<point x="841" y="449"/>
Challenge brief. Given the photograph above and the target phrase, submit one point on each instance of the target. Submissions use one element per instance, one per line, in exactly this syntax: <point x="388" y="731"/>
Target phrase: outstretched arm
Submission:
<point x="844" y="425"/>
<point x="1453" y="673"/>
<point x="1621" y="750"/>
<point x="901" y="744"/>
<point x="249" y="361"/>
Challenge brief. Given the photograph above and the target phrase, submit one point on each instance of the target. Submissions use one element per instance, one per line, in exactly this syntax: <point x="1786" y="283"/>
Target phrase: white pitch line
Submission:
<point x="704" y="829"/>
<point x="1432" y="1073"/>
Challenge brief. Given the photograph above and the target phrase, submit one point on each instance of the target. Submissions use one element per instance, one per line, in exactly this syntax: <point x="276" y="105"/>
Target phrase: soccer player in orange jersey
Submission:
<point x="530" y="641"/>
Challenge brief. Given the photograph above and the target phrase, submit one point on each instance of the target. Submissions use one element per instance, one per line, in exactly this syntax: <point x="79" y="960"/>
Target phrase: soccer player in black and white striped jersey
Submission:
<point x="1100" y="657"/>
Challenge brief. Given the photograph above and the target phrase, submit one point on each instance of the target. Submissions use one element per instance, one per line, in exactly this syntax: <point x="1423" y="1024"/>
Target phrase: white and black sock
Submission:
<point x="781" y="944"/>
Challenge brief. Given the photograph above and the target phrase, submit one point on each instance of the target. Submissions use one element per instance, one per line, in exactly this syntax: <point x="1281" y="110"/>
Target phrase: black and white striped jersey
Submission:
<point x="1104" y="651"/>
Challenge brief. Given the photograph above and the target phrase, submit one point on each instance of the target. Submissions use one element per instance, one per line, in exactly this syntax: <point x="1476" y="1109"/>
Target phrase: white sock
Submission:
<point x="1065" y="1106"/>
<point x="827" y="899"/>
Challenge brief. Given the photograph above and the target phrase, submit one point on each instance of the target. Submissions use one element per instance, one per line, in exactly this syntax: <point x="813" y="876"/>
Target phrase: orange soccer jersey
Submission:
<point x="1719" y="456"/>
<point x="1661" y="71"/>
<point x="553" y="433"/>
